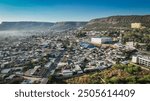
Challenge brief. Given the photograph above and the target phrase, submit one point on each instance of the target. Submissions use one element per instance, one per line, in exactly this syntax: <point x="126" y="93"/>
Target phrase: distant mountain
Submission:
<point x="25" y="25"/>
<point x="114" y="22"/>
<point x="40" y="25"/>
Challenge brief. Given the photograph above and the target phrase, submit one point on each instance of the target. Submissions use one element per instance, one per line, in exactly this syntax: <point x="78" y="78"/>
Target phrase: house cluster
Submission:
<point x="28" y="58"/>
<point x="84" y="57"/>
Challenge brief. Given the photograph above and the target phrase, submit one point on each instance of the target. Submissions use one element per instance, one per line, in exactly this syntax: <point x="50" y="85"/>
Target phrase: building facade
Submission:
<point x="101" y="40"/>
<point x="142" y="60"/>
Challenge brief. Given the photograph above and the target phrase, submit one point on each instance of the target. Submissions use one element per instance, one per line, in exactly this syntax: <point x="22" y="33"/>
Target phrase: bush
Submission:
<point x="114" y="80"/>
<point x="129" y="70"/>
<point x="145" y="79"/>
<point x="120" y="66"/>
<point x="137" y="69"/>
<point x="131" y="80"/>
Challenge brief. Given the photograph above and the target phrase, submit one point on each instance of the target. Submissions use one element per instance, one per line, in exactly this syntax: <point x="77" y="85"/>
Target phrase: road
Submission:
<point x="54" y="65"/>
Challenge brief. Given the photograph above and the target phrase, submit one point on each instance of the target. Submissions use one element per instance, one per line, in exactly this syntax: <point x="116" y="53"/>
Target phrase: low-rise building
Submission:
<point x="136" y="25"/>
<point x="101" y="40"/>
<point x="67" y="73"/>
<point x="6" y="71"/>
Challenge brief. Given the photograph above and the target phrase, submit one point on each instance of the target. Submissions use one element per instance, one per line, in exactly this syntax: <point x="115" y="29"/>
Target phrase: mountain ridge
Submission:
<point x="32" y="25"/>
<point x="120" y="21"/>
<point x="110" y="22"/>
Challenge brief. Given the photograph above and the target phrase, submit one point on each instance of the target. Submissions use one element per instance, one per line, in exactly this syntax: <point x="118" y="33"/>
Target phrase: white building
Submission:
<point x="134" y="59"/>
<point x="130" y="44"/>
<point x="143" y="60"/>
<point x="101" y="40"/>
<point x="136" y="25"/>
<point x="67" y="73"/>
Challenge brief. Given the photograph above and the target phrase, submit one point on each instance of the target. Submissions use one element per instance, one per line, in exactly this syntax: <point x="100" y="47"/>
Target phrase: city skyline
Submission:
<point x="69" y="10"/>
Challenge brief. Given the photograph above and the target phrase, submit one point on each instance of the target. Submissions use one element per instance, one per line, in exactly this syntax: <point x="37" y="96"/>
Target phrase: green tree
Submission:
<point x="131" y="79"/>
<point x="114" y="80"/>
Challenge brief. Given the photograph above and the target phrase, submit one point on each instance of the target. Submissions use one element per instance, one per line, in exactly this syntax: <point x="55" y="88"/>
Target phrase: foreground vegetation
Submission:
<point x="118" y="74"/>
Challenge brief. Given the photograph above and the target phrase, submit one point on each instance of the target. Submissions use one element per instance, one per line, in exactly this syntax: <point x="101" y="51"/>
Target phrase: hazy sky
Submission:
<point x="69" y="10"/>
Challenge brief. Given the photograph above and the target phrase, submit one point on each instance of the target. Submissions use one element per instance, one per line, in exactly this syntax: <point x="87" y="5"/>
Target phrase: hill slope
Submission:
<point x="117" y="22"/>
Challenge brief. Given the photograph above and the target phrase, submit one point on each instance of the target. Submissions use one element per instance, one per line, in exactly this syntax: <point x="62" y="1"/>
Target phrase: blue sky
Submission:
<point x="69" y="10"/>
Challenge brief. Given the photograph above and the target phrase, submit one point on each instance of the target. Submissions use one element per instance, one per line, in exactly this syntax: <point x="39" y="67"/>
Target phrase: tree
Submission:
<point x="145" y="79"/>
<point x="131" y="79"/>
<point x="136" y="69"/>
<point x="120" y="66"/>
<point x="114" y="80"/>
<point x="50" y="79"/>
